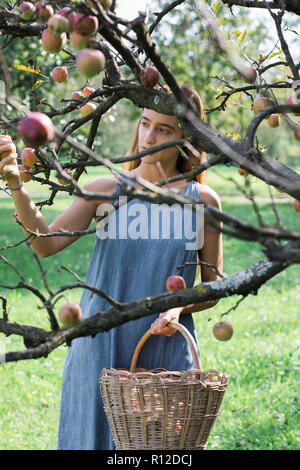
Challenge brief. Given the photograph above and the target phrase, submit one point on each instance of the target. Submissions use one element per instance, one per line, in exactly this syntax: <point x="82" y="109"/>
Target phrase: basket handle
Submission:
<point x="183" y="330"/>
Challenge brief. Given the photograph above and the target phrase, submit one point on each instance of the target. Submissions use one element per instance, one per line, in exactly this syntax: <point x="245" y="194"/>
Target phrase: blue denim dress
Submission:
<point x="127" y="268"/>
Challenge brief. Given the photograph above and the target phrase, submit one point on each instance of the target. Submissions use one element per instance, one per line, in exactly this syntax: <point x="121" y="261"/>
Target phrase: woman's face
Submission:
<point x="156" y="129"/>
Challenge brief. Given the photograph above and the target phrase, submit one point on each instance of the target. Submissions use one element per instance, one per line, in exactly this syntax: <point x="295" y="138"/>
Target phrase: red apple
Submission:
<point x="25" y="173"/>
<point x="63" y="181"/>
<point x="35" y="129"/>
<point x="58" y="24"/>
<point x="53" y="42"/>
<point x="87" y="109"/>
<point x="273" y="120"/>
<point x="70" y="314"/>
<point x="175" y="283"/>
<point x="296" y="205"/>
<point x="77" y="95"/>
<point x="28" y="157"/>
<point x="69" y="14"/>
<point x="243" y="172"/>
<point x="262" y="102"/>
<point x="79" y="41"/>
<point x="85" y="25"/>
<point x="59" y="74"/>
<point x="223" y="331"/>
<point x="88" y="90"/>
<point x="90" y="62"/>
<point x="26" y="10"/>
<point x="44" y="11"/>
<point x="292" y="99"/>
<point x="149" y="76"/>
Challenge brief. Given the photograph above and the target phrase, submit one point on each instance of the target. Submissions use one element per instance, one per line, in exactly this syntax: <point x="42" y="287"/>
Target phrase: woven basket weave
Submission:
<point x="161" y="409"/>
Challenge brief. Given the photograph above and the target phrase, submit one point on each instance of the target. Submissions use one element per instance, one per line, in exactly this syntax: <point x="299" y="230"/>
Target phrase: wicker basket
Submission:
<point x="161" y="409"/>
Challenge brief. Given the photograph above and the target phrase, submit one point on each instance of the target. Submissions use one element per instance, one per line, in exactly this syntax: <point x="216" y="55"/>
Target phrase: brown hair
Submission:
<point x="183" y="165"/>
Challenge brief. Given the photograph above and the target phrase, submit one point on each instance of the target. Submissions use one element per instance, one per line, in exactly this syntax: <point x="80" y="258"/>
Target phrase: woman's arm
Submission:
<point x="76" y="218"/>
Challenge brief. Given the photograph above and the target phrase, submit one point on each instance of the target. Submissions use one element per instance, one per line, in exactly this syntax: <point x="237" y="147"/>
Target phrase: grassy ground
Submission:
<point x="261" y="406"/>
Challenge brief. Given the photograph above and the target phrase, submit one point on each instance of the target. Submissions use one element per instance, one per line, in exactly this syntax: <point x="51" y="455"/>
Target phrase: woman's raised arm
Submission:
<point x="76" y="218"/>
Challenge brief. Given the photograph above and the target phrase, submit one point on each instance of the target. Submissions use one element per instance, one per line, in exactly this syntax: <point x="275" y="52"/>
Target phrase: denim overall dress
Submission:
<point x="127" y="266"/>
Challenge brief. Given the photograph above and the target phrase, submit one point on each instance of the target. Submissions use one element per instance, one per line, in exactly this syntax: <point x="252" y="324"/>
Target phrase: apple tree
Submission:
<point x="60" y="41"/>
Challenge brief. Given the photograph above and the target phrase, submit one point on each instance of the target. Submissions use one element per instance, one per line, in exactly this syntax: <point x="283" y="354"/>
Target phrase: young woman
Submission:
<point x="127" y="268"/>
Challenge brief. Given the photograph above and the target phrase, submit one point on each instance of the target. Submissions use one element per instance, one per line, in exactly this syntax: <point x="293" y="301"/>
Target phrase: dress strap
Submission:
<point x="192" y="189"/>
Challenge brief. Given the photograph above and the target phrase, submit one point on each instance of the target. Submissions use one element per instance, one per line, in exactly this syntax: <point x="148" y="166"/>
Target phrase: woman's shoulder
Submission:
<point x="103" y="184"/>
<point x="208" y="195"/>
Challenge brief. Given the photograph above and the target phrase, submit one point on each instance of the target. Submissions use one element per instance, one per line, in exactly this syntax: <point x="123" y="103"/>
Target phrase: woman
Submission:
<point x="126" y="268"/>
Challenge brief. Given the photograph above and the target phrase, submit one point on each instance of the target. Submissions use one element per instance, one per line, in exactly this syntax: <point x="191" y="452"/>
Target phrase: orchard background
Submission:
<point x="261" y="407"/>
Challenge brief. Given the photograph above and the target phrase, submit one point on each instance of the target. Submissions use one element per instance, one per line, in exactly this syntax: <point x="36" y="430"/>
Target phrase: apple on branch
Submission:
<point x="88" y="90"/>
<point x="79" y="41"/>
<point x="25" y="173"/>
<point x="53" y="42"/>
<point x="292" y="99"/>
<point x="174" y="283"/>
<point x="44" y="11"/>
<point x="58" y="24"/>
<point x="149" y="76"/>
<point x="223" y="331"/>
<point x="87" y="109"/>
<point x="273" y="120"/>
<point x="70" y="314"/>
<point x="90" y="62"/>
<point x="85" y="25"/>
<point x="28" y="157"/>
<point x="36" y="129"/>
<point x="59" y="74"/>
<point x="27" y="10"/>
<point x="262" y="102"/>
<point x="77" y="95"/>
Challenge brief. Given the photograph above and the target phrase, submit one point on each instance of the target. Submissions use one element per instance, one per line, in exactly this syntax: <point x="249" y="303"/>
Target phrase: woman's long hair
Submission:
<point x="183" y="165"/>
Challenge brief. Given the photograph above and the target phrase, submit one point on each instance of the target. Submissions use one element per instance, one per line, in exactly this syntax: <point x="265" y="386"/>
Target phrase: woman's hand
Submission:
<point x="159" y="326"/>
<point x="8" y="158"/>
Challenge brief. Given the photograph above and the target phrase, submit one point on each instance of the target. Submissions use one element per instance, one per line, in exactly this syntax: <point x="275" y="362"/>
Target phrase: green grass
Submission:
<point x="261" y="406"/>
